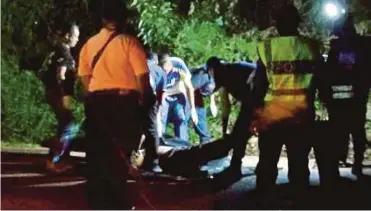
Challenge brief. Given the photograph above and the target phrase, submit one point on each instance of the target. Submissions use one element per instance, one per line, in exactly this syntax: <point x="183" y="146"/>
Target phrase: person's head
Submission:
<point x="153" y="58"/>
<point x="212" y="64"/>
<point x="114" y="14"/>
<point x="344" y="27"/>
<point x="71" y="35"/>
<point x="287" y="20"/>
<point x="165" y="62"/>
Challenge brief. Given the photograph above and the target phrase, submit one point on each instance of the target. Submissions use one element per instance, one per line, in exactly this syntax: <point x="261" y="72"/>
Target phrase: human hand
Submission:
<point x="194" y="116"/>
<point x="213" y="109"/>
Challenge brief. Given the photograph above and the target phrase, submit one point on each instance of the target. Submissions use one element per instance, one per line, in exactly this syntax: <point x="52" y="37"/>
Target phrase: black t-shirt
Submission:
<point x="234" y="77"/>
<point x="60" y="56"/>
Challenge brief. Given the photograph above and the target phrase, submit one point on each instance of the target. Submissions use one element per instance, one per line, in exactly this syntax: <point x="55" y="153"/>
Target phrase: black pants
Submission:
<point x="296" y="138"/>
<point x="152" y="140"/>
<point x="113" y="131"/>
<point x="241" y="134"/>
<point x="63" y="115"/>
<point x="345" y="121"/>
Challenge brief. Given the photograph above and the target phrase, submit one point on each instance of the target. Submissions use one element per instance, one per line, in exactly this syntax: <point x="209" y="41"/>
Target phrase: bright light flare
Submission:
<point x="332" y="10"/>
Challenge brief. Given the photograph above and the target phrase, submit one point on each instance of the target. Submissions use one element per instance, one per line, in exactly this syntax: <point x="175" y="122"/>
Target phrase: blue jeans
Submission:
<point x="174" y="109"/>
<point x="201" y="127"/>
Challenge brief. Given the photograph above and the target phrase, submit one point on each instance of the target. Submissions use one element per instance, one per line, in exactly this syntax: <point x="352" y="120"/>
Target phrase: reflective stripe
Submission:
<point x="290" y="63"/>
<point x="342" y="95"/>
<point x="290" y="81"/>
<point x="342" y="88"/>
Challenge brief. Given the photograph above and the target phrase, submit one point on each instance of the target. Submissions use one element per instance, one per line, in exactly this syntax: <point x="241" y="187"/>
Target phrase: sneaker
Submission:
<point x="152" y="168"/>
<point x="59" y="167"/>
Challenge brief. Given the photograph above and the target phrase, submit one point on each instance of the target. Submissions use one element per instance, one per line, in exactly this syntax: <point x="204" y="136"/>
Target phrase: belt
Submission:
<point x="115" y="92"/>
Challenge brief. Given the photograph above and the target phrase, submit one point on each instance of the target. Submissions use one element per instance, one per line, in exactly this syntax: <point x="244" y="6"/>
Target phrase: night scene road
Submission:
<point x="25" y="184"/>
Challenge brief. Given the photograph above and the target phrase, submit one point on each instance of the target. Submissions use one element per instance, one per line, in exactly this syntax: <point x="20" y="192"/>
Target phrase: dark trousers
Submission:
<point x="297" y="141"/>
<point x="345" y="121"/>
<point x="113" y="131"/>
<point x="201" y="127"/>
<point x="241" y="134"/>
<point x="152" y="139"/>
<point x="63" y="115"/>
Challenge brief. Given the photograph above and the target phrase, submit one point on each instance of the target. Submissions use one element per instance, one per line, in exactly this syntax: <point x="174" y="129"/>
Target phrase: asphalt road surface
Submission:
<point x="25" y="184"/>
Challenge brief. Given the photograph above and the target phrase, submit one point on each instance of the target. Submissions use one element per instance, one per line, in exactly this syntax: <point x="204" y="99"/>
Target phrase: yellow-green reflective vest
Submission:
<point x="290" y="63"/>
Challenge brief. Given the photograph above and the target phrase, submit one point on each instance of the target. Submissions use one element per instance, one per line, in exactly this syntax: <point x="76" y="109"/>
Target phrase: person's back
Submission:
<point x="289" y="63"/>
<point x="114" y="72"/>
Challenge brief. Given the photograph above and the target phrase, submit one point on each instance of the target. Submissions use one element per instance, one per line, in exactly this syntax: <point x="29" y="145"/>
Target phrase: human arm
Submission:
<point x="84" y="70"/>
<point x="213" y="107"/>
<point x="186" y="78"/>
<point x="226" y="109"/>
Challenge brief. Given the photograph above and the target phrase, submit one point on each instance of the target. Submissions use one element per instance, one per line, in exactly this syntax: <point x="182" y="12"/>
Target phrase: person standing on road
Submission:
<point x="289" y="63"/>
<point x="347" y="82"/>
<point x="117" y="87"/>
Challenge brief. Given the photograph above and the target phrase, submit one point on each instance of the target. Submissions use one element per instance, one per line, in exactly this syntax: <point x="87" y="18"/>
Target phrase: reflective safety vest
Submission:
<point x="290" y="63"/>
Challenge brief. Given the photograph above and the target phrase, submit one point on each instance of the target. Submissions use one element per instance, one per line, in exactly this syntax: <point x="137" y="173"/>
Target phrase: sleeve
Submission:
<point x="84" y="68"/>
<point x="137" y="57"/>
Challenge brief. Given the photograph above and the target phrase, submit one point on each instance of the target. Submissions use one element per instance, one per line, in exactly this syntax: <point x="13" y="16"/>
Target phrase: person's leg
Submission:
<point x="180" y="119"/>
<point x="124" y="126"/>
<point x="119" y="129"/>
<point x="326" y="156"/>
<point x="152" y="139"/>
<point x="270" y="145"/>
<point x="298" y="148"/>
<point x="240" y="135"/>
<point x="201" y="127"/>
<point x="58" y="148"/>
<point x="97" y="148"/>
<point x="164" y="110"/>
<point x="341" y="130"/>
<point x="359" y="142"/>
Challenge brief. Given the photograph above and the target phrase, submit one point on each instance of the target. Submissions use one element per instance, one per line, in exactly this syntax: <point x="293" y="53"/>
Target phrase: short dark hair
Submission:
<point x="152" y="57"/>
<point x="163" y="58"/>
<point x="213" y="62"/>
<point x="114" y="10"/>
<point x="288" y="15"/>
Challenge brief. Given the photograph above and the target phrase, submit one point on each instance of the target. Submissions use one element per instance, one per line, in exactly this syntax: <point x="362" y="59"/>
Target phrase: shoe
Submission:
<point x="152" y="168"/>
<point x="59" y="167"/>
<point x="229" y="176"/>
